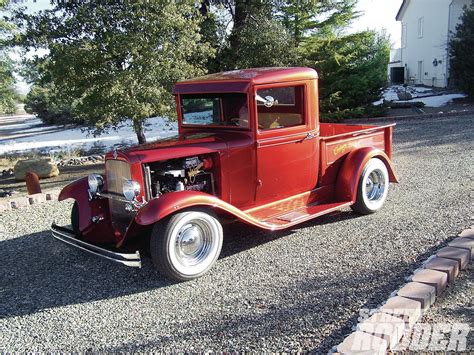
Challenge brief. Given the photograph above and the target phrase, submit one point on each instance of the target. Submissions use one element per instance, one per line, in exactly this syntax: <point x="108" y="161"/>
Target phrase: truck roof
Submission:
<point x="240" y="80"/>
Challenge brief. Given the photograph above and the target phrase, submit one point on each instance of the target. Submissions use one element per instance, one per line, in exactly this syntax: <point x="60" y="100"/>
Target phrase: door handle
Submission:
<point x="309" y="135"/>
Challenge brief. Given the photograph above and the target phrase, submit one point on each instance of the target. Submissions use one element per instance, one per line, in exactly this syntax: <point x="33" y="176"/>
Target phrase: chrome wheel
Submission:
<point x="187" y="245"/>
<point x="373" y="187"/>
<point x="193" y="243"/>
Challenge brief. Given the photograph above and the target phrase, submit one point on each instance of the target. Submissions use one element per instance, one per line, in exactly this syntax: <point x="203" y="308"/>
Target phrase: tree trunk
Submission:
<point x="140" y="132"/>
<point x="241" y="13"/>
<point x="204" y="9"/>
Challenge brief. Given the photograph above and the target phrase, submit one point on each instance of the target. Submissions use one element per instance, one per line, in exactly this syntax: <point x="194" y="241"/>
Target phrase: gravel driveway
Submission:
<point x="299" y="289"/>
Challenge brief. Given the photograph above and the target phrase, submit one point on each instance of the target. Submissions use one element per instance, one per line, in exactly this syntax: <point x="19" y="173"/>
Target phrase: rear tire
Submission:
<point x="186" y="245"/>
<point x="372" y="188"/>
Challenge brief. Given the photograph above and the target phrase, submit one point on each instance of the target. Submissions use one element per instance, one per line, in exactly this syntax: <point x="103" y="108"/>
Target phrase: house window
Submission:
<point x="404" y="35"/>
<point x="420" y="27"/>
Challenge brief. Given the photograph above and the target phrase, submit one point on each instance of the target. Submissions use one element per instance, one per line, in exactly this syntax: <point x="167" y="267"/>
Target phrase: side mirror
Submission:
<point x="269" y="101"/>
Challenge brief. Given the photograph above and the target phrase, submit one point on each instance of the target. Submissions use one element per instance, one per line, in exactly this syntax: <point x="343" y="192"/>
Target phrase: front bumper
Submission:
<point x="67" y="236"/>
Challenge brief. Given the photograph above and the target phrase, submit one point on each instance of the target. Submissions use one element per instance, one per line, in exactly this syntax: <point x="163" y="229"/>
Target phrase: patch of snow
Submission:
<point x="71" y="139"/>
<point x="436" y="101"/>
<point x="27" y="124"/>
<point x="418" y="93"/>
<point x="422" y="89"/>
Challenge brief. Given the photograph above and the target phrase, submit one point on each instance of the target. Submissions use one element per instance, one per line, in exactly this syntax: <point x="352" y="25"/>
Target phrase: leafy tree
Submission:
<point x="46" y="103"/>
<point x="7" y="79"/>
<point x="117" y="60"/>
<point x="462" y="54"/>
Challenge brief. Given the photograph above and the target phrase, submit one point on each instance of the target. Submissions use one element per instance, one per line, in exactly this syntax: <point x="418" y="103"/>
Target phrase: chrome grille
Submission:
<point x="117" y="171"/>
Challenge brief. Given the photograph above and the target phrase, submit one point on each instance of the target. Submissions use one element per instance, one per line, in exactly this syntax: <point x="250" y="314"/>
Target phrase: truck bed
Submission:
<point x="338" y="140"/>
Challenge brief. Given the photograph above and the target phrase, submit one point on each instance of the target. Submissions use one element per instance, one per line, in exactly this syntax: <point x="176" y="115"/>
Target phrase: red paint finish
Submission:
<point x="348" y="177"/>
<point x="262" y="171"/>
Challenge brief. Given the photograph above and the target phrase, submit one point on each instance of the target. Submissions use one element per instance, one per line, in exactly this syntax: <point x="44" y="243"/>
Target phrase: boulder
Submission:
<point x="44" y="168"/>
<point x="404" y="95"/>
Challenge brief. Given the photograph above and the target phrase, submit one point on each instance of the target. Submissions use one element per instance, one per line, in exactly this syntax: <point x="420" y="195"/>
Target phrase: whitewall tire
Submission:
<point x="186" y="245"/>
<point x="372" y="188"/>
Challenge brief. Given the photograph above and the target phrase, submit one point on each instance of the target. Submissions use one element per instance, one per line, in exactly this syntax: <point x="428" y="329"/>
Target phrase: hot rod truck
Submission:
<point x="250" y="148"/>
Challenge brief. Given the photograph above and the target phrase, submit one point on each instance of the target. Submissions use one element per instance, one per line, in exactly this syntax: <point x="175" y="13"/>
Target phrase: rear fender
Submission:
<point x="349" y="174"/>
<point x="159" y="208"/>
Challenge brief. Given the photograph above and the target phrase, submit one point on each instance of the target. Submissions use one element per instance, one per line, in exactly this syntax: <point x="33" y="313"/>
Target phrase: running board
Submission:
<point x="67" y="236"/>
<point x="305" y="213"/>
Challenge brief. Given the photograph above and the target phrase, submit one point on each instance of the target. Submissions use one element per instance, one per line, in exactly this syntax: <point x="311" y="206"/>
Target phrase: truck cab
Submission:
<point x="278" y="110"/>
<point x="250" y="148"/>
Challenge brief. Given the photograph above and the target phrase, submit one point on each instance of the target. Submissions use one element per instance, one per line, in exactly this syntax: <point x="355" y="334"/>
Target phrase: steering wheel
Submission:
<point x="236" y="122"/>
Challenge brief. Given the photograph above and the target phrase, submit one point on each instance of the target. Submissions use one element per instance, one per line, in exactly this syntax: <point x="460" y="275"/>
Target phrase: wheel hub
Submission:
<point x="190" y="240"/>
<point x="375" y="186"/>
<point x="193" y="243"/>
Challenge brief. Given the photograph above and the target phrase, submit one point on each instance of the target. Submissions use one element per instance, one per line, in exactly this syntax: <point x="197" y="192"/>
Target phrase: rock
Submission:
<point x="5" y="193"/>
<point x="44" y="168"/>
<point x="404" y="95"/>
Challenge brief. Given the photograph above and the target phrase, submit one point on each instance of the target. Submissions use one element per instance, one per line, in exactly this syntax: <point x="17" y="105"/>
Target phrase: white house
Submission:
<point x="427" y="26"/>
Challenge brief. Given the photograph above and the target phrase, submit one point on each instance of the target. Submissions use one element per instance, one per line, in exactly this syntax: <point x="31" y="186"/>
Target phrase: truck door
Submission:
<point x="287" y="141"/>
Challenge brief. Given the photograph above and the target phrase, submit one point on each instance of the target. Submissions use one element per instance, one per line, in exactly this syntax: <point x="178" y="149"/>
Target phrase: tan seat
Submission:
<point x="275" y="120"/>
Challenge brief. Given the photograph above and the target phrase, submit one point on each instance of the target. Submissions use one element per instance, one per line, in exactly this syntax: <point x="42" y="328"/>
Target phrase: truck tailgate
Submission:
<point x="338" y="140"/>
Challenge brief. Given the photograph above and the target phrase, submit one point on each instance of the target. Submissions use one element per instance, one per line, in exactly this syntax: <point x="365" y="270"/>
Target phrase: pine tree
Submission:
<point x="462" y="54"/>
<point x="257" y="39"/>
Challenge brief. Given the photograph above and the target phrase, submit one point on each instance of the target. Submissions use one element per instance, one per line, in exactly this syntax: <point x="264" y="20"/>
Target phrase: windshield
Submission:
<point x="215" y="110"/>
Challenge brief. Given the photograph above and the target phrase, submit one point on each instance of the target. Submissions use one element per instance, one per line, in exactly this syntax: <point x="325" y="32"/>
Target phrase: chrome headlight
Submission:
<point x="95" y="183"/>
<point x="131" y="189"/>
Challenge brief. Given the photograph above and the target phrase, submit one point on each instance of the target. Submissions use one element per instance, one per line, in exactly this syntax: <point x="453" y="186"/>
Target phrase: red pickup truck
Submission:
<point x="250" y="148"/>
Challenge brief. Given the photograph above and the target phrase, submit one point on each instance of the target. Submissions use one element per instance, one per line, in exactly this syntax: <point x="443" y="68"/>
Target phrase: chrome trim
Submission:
<point x="135" y="203"/>
<point x="147" y="175"/>
<point x="67" y="236"/>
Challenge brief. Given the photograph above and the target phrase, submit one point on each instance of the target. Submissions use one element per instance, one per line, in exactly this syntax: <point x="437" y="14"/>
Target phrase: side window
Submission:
<point x="280" y="107"/>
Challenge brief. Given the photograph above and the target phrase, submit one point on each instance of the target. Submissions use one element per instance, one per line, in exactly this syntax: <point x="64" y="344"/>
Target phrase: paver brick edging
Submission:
<point x="410" y="301"/>
<point x="24" y="201"/>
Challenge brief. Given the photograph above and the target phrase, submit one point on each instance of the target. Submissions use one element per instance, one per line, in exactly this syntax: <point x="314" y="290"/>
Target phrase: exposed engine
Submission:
<point x="192" y="173"/>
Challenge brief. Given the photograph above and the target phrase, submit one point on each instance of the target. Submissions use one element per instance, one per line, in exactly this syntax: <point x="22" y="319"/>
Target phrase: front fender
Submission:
<point x="165" y="205"/>
<point x="349" y="174"/>
<point x="77" y="190"/>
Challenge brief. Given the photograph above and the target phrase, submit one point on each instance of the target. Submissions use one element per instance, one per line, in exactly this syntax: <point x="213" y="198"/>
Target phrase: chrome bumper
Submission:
<point x="67" y="236"/>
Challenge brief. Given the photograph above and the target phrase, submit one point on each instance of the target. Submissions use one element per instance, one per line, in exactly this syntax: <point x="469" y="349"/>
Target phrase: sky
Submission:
<point x="379" y="15"/>
<point x="375" y="14"/>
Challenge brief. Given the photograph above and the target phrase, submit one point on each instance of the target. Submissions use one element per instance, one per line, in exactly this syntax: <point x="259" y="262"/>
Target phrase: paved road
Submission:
<point x="295" y="290"/>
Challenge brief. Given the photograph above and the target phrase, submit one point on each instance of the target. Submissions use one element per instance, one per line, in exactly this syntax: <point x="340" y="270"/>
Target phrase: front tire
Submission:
<point x="75" y="219"/>
<point x="186" y="245"/>
<point x="372" y="188"/>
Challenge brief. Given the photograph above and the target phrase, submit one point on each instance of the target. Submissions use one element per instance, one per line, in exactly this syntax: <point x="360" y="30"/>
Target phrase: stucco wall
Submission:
<point x="420" y="48"/>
